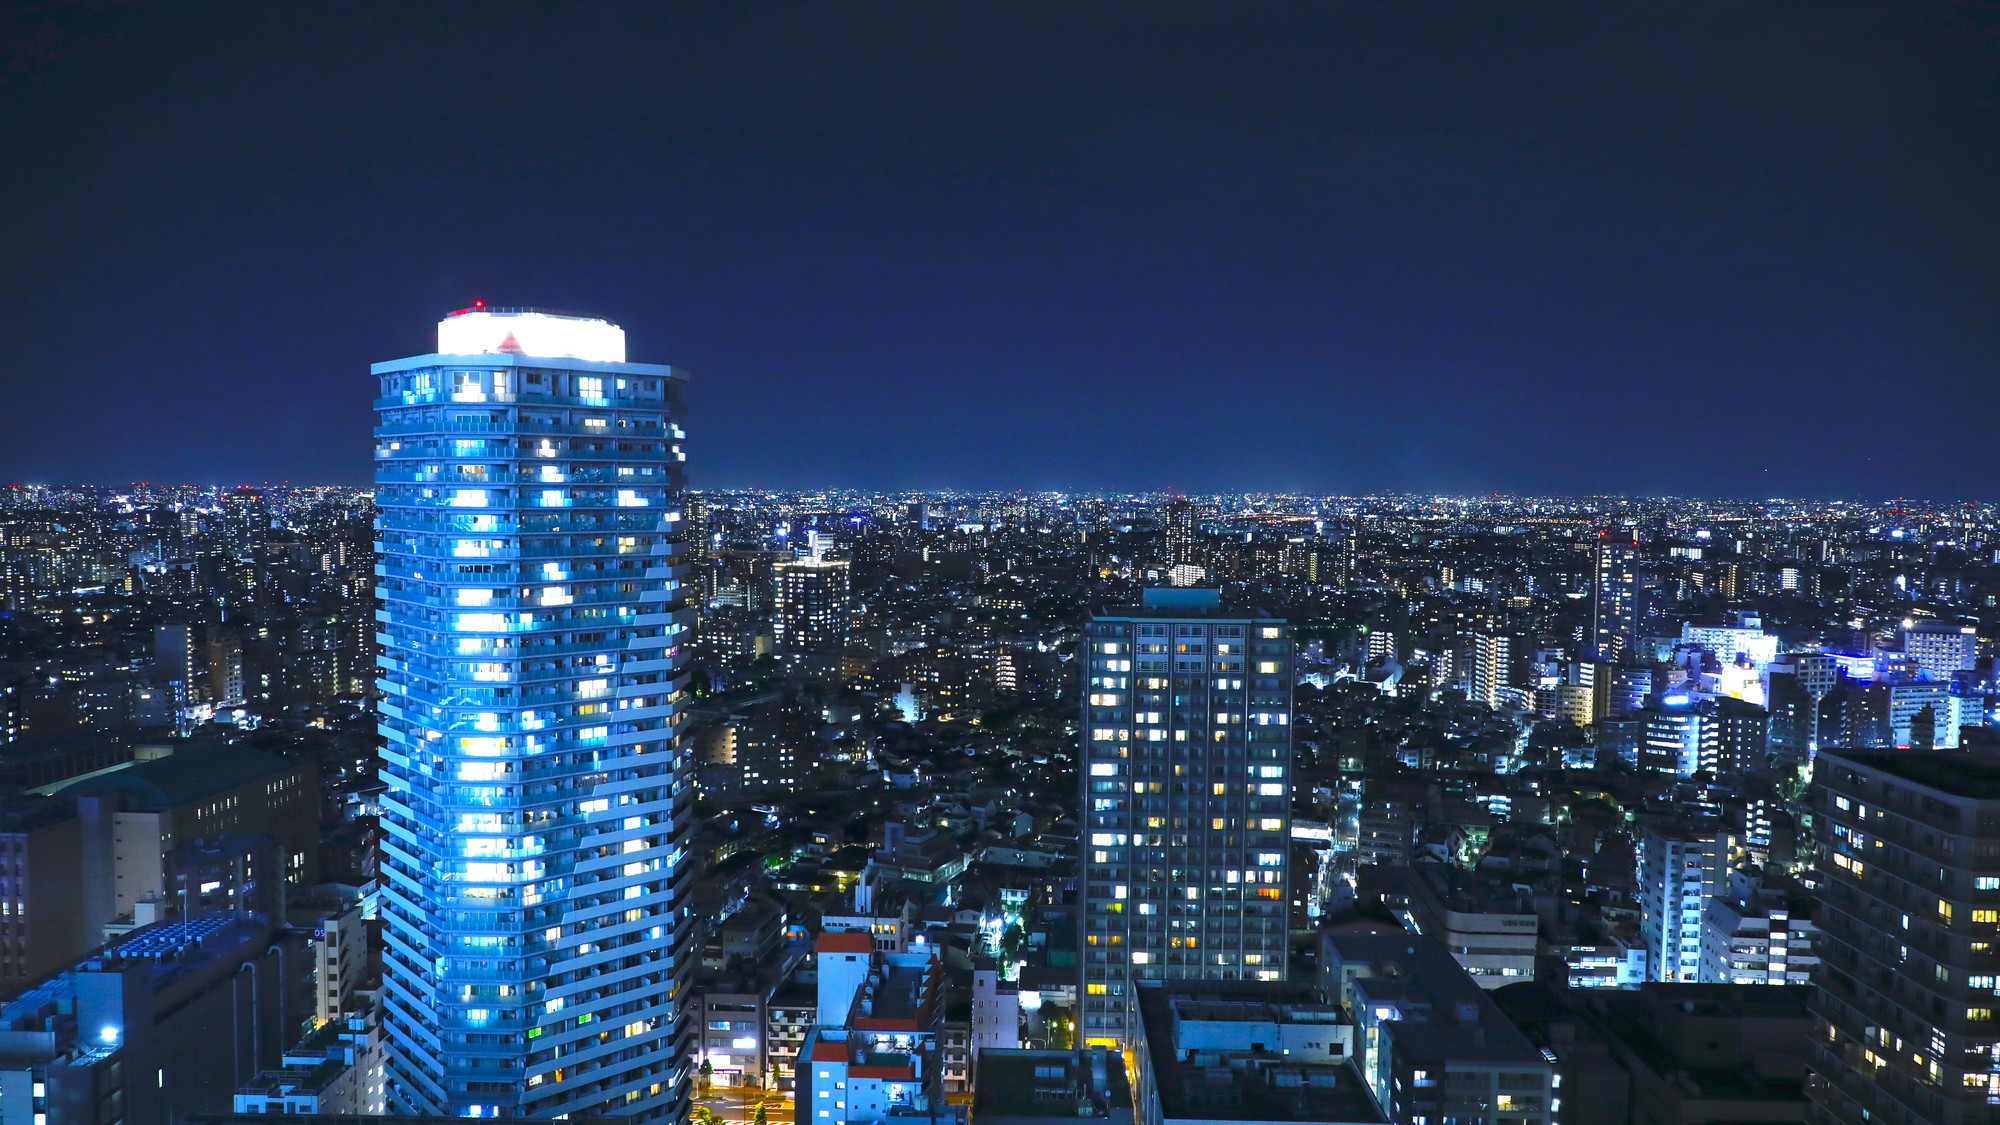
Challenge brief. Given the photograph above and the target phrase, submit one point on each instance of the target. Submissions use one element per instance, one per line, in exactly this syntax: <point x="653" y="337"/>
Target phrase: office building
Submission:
<point x="1742" y="736"/>
<point x="1618" y="689"/>
<point x="1681" y="867"/>
<point x="1693" y="1054"/>
<point x="1681" y="737"/>
<point x="1940" y="648"/>
<point x="1602" y="958"/>
<point x="41" y="917"/>
<point x="1909" y="908"/>
<point x="162" y="1023"/>
<point x="1186" y="774"/>
<point x="1431" y="1044"/>
<point x="334" y="1070"/>
<point x="1898" y="711"/>
<point x="1818" y="674"/>
<point x="732" y="1017"/>
<point x="996" y="1013"/>
<point x="1614" y="604"/>
<point x="150" y="828"/>
<point x="533" y="881"/>
<point x="340" y="964"/>
<point x="1486" y="920"/>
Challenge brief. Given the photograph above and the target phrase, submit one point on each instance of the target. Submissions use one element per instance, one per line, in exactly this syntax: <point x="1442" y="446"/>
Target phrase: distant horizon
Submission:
<point x="1135" y="493"/>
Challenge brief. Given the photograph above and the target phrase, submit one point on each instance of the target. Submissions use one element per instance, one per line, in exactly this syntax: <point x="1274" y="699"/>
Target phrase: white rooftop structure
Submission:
<point x="530" y="332"/>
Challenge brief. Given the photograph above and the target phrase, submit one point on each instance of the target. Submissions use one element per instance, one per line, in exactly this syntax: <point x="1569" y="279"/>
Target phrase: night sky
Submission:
<point x="1713" y="249"/>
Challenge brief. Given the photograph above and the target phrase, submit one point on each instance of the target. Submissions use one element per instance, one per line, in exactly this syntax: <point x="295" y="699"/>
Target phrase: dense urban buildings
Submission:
<point x="534" y="817"/>
<point x="886" y="736"/>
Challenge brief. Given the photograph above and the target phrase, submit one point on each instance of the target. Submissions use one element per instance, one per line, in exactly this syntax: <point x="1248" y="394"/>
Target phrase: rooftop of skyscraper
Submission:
<point x="1180" y="601"/>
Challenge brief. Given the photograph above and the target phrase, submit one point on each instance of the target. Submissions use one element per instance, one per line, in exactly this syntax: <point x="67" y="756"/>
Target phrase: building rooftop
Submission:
<point x="1962" y="773"/>
<point x="1473" y="892"/>
<point x="1047" y="1083"/>
<point x="186" y="776"/>
<point x="27" y="814"/>
<point x="1454" y="1017"/>
<point x="1244" y="1085"/>
<point x="897" y="997"/>
<point x="164" y="951"/>
<point x="1182" y="602"/>
<point x="1733" y="1042"/>
<point x="849" y="941"/>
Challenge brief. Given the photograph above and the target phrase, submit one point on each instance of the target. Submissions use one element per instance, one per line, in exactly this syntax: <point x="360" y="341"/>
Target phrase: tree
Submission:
<point x="707" y="1075"/>
<point x="1061" y="1035"/>
<point x="1011" y="942"/>
<point x="763" y="1114"/>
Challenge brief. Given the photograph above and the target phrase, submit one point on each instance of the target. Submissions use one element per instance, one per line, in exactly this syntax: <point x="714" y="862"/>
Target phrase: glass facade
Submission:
<point x="1187" y="761"/>
<point x="532" y="886"/>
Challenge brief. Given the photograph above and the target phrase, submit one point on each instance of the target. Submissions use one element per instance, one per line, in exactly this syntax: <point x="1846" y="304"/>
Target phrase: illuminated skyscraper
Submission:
<point x="1187" y="761"/>
<point x="533" y="882"/>
<point x="811" y="593"/>
<point x="1179" y="519"/>
<point x="1614" y="605"/>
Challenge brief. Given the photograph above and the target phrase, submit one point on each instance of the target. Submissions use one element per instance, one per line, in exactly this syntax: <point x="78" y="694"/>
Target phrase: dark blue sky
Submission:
<point x="1709" y="249"/>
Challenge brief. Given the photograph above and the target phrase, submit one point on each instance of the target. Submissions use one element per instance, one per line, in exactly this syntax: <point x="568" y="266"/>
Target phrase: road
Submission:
<point x="739" y="1106"/>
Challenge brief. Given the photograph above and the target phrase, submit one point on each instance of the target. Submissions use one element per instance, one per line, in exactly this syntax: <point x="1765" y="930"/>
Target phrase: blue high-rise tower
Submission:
<point x="533" y="874"/>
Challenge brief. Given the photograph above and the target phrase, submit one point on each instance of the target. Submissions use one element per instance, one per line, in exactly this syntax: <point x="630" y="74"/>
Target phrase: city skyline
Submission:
<point x="1736" y="255"/>
<point x="1374" y="583"/>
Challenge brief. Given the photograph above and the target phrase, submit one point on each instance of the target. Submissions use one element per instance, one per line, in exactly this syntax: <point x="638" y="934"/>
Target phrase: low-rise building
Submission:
<point x="335" y="1069"/>
<point x="1245" y="1051"/>
<point x="1026" y="1087"/>
<point x="1758" y="934"/>
<point x="731" y="1045"/>
<point x="873" y="1054"/>
<point x="1488" y="923"/>
<point x="1432" y="1045"/>
<point x="165" y="1022"/>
